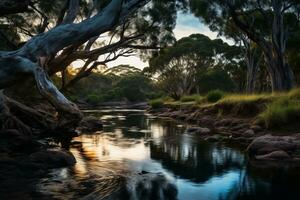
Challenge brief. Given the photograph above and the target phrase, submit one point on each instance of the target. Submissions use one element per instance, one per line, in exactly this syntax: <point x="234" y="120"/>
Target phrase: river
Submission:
<point x="137" y="152"/>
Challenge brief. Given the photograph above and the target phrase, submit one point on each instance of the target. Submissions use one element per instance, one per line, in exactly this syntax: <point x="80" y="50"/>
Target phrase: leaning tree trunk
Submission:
<point x="19" y="65"/>
<point x="14" y="69"/>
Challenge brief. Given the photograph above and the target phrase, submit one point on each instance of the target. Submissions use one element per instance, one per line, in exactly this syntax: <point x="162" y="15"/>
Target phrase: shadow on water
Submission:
<point x="137" y="156"/>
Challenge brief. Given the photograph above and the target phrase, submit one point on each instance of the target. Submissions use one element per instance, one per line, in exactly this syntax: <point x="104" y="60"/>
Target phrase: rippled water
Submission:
<point x="136" y="152"/>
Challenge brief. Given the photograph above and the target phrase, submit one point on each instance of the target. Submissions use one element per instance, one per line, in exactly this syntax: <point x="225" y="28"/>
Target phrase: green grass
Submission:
<point x="191" y="98"/>
<point x="281" y="112"/>
<point x="237" y="98"/>
<point x="274" y="111"/>
<point x="294" y="94"/>
<point x="159" y="103"/>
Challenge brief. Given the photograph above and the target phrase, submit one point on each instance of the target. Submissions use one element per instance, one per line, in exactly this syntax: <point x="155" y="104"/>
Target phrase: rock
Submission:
<point x="53" y="158"/>
<point x="275" y="155"/>
<point x="14" y="140"/>
<point x="267" y="144"/>
<point x="256" y="128"/>
<point x="214" y="138"/>
<point x="223" y="122"/>
<point x="90" y="124"/>
<point x="249" y="133"/>
<point x="198" y="130"/>
<point x="239" y="127"/>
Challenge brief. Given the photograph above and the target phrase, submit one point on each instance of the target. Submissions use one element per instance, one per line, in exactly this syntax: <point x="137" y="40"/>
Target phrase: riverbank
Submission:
<point x="267" y="126"/>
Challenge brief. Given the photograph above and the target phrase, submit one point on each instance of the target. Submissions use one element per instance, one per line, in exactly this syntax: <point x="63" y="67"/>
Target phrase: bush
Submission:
<point x="94" y="99"/>
<point x="214" y="96"/>
<point x="281" y="112"/>
<point x="156" y="103"/>
<point x="190" y="98"/>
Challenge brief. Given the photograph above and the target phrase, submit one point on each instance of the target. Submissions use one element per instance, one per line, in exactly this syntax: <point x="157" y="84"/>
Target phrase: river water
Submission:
<point x="137" y="154"/>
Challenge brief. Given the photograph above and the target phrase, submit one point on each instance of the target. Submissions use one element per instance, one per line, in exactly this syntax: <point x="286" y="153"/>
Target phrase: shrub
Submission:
<point x="190" y="98"/>
<point x="94" y="99"/>
<point x="281" y="112"/>
<point x="214" y="96"/>
<point x="156" y="103"/>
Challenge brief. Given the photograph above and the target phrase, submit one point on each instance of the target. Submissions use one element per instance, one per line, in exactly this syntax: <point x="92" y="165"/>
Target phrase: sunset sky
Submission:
<point x="187" y="24"/>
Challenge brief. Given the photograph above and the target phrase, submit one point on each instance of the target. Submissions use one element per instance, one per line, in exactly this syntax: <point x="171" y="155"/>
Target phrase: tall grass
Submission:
<point x="281" y="112"/>
<point x="159" y="103"/>
<point x="236" y="98"/>
<point x="191" y="98"/>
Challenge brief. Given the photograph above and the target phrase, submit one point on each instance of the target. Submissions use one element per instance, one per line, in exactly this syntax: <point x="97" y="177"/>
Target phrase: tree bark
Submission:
<point x="16" y="66"/>
<point x="12" y="69"/>
<point x="252" y="62"/>
<point x="282" y="78"/>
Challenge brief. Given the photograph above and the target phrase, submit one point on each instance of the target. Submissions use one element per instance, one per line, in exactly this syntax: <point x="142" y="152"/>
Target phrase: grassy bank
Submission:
<point x="274" y="111"/>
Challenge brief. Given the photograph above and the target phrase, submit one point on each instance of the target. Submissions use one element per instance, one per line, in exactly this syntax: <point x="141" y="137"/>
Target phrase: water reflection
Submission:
<point x="139" y="157"/>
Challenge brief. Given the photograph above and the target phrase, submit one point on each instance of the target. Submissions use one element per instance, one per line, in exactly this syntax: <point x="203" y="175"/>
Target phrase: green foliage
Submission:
<point x="133" y="87"/>
<point x="281" y="112"/>
<point x="156" y="103"/>
<point x="215" y="80"/>
<point x="94" y="99"/>
<point x="194" y="62"/>
<point x="214" y="96"/>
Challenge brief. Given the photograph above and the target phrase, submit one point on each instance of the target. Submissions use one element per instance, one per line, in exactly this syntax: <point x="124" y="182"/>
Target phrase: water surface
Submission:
<point x="134" y="143"/>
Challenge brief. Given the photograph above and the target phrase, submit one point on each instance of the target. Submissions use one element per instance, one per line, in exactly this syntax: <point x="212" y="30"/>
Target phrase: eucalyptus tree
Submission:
<point x="55" y="42"/>
<point x="179" y="68"/>
<point x="268" y="23"/>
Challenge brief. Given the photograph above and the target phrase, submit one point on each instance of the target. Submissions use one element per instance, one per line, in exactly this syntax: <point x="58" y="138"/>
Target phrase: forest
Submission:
<point x="73" y="115"/>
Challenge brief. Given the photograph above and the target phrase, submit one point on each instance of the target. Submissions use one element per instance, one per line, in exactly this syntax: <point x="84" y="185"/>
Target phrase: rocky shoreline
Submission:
<point x="24" y="159"/>
<point x="259" y="143"/>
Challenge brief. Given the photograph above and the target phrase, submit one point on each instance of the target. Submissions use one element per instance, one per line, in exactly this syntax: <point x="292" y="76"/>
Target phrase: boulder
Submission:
<point x="53" y="158"/>
<point x="270" y="147"/>
<point x="14" y="140"/>
<point x="249" y="133"/>
<point x="256" y="128"/>
<point x="90" y="124"/>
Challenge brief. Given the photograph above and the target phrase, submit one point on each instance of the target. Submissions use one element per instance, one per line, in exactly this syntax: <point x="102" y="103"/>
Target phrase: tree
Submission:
<point x="180" y="67"/>
<point x="30" y="60"/>
<point x="271" y="35"/>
